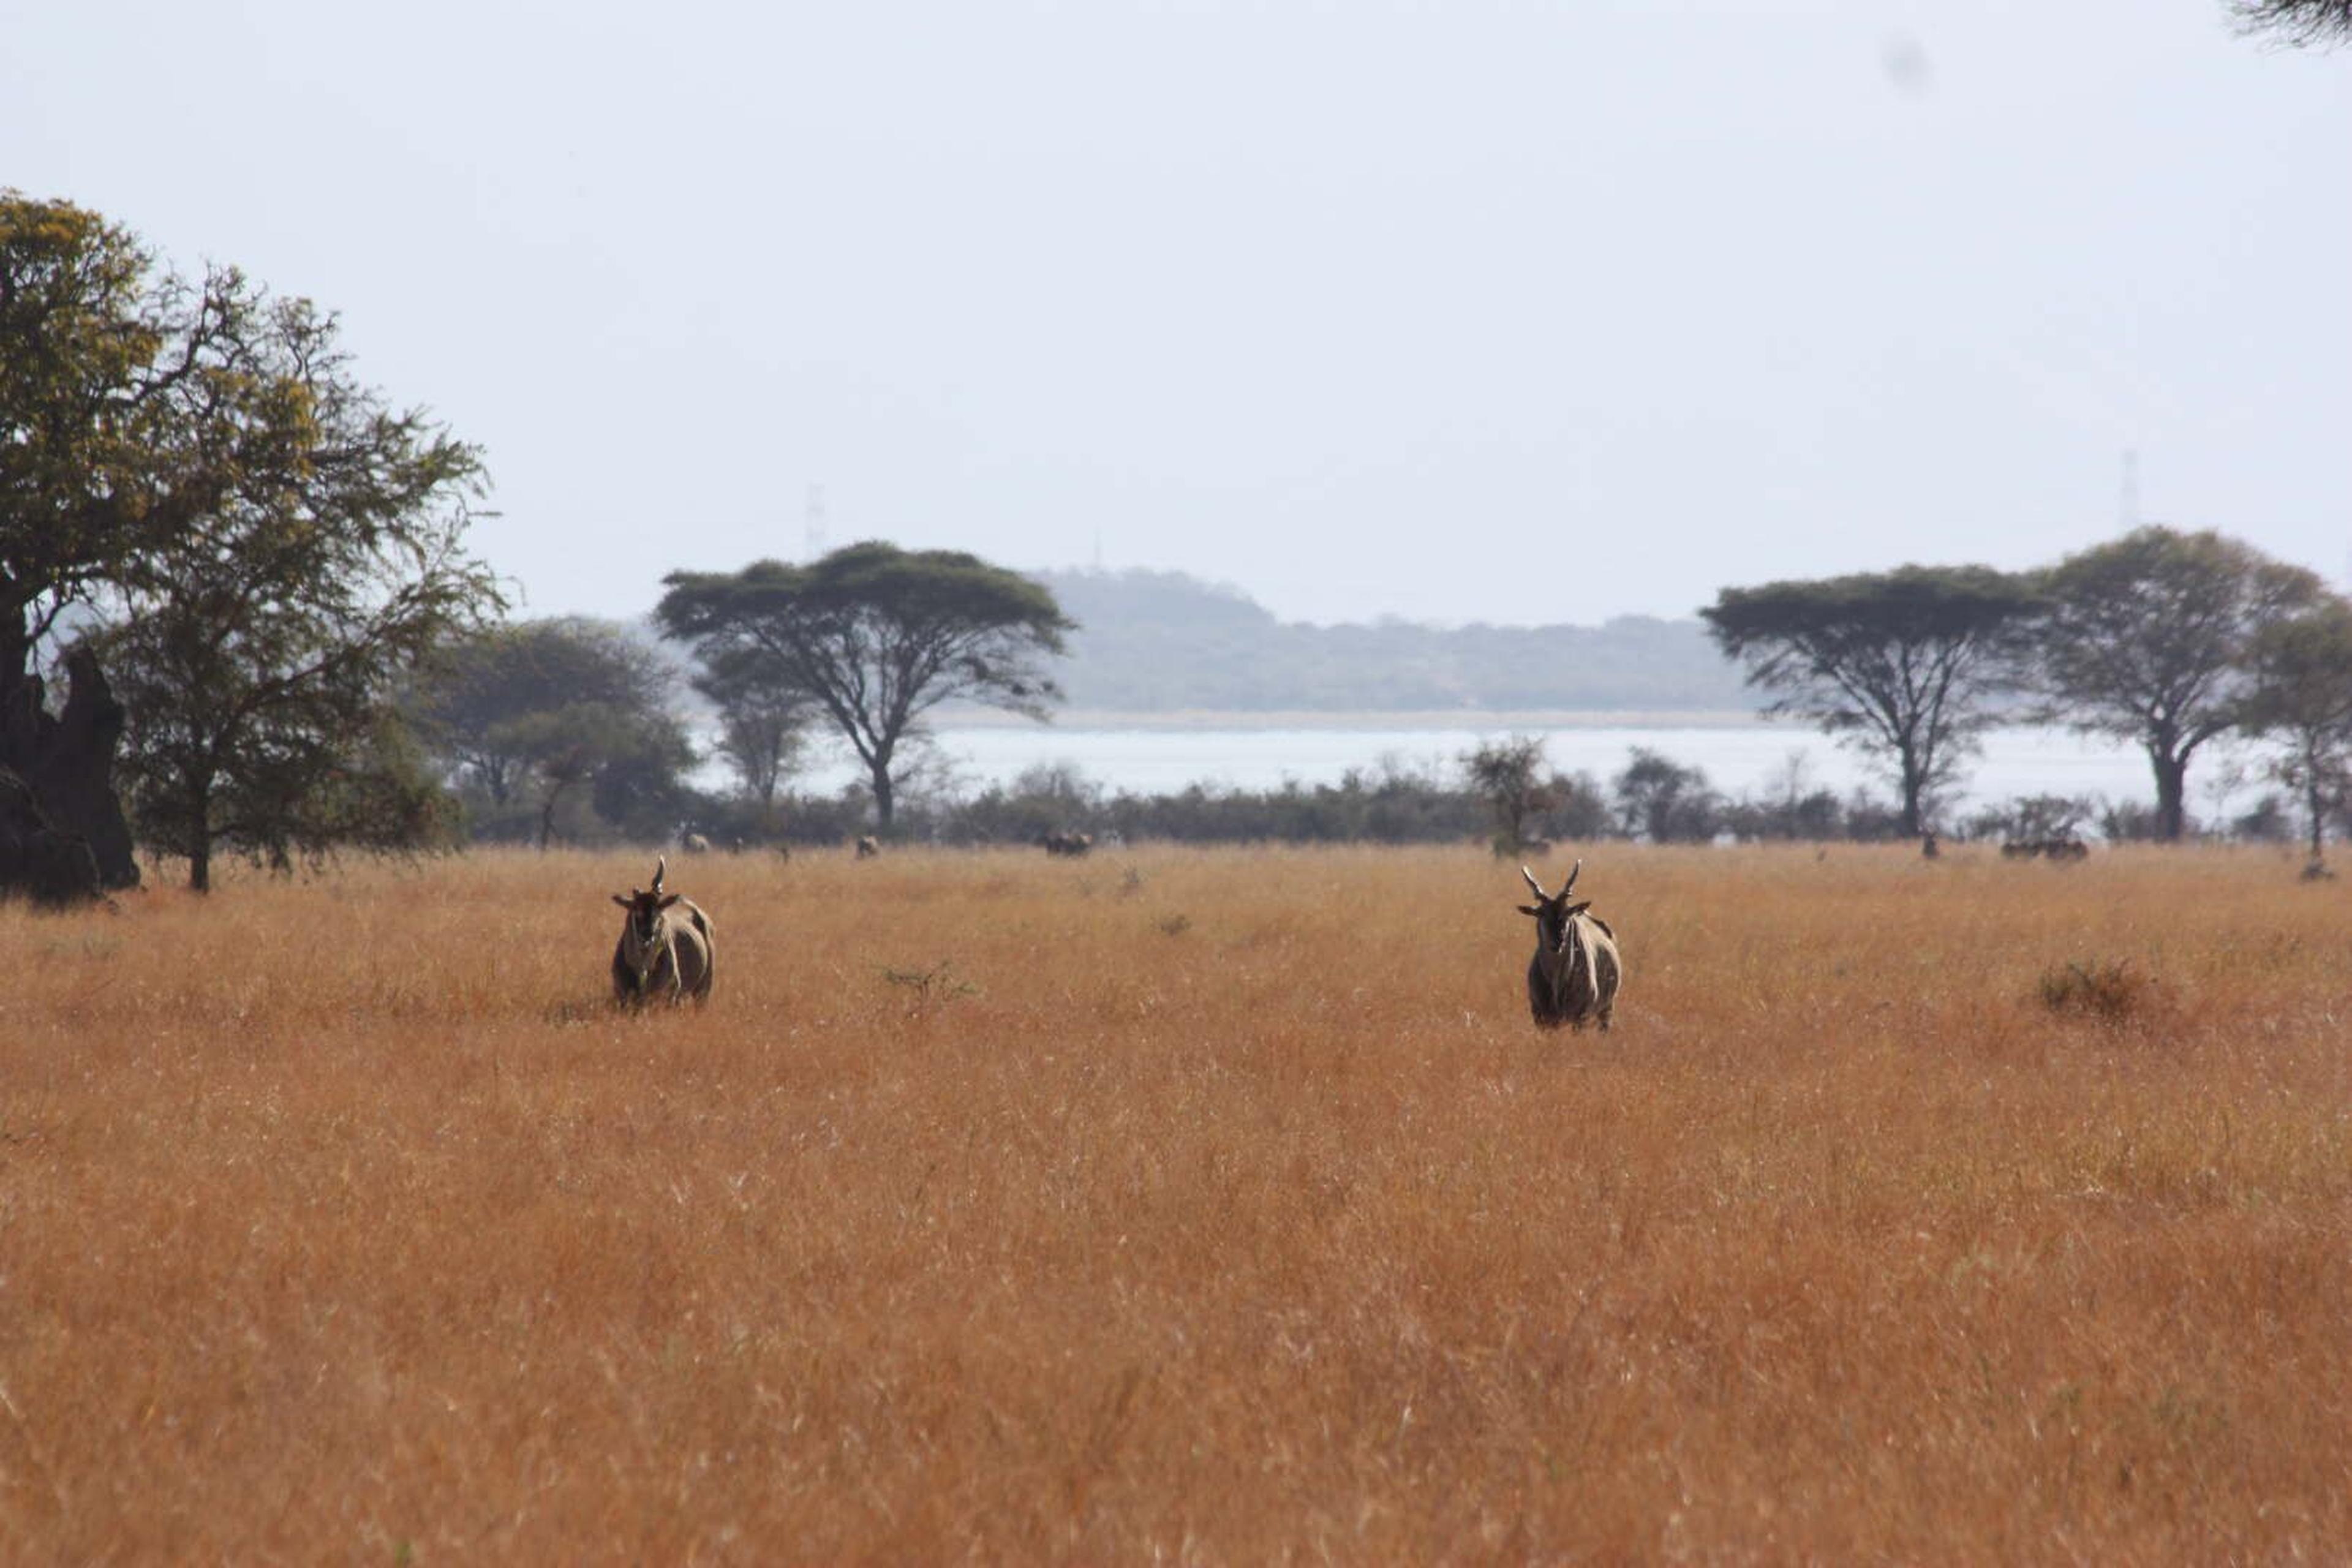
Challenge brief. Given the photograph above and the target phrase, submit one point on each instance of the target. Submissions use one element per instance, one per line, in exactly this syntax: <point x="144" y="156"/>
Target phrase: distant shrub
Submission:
<point x="939" y="982"/>
<point x="2129" y="822"/>
<point x="2110" y="992"/>
<point x="2034" y="818"/>
<point x="2270" y="820"/>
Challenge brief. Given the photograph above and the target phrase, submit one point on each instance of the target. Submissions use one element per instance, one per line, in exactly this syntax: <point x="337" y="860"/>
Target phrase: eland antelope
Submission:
<point x="659" y="955"/>
<point x="1572" y="979"/>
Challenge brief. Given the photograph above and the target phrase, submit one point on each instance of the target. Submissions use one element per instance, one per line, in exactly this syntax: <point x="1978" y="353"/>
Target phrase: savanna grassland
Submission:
<point x="1218" y="1206"/>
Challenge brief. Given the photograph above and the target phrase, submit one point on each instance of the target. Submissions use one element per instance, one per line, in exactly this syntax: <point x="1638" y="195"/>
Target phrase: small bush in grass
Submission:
<point x="2111" y="992"/>
<point x="937" y="984"/>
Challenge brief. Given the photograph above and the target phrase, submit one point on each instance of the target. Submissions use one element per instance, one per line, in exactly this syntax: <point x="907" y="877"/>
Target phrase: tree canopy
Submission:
<point x="2301" y="694"/>
<point x="1665" y="801"/>
<point x="266" y="541"/>
<point x="2298" y="22"/>
<point x="87" y="357"/>
<point x="1900" y="662"/>
<point x="258" y="645"/>
<point x="876" y="638"/>
<point x="2145" y="638"/>
<point x="81" y="389"/>
<point x="1510" y="775"/>
<point x="526" y="714"/>
<point x="763" y="722"/>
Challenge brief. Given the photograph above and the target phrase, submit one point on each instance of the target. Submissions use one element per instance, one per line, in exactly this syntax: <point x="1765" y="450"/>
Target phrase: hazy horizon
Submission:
<point x="1459" y="314"/>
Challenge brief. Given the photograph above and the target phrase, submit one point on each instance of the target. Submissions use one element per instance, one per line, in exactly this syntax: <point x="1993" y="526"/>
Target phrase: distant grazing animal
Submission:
<point x="868" y="846"/>
<point x="694" y="844"/>
<point x="660" y="955"/>
<point x="1573" y="977"/>
<point x="1058" y="843"/>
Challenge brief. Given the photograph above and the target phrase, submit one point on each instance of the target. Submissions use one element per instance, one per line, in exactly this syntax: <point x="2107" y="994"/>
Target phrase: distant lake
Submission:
<point x="1739" y="757"/>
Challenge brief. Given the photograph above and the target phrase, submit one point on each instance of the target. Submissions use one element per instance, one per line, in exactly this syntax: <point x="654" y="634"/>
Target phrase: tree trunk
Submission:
<point x="2171" y="789"/>
<point x="884" y="804"/>
<point x="66" y="759"/>
<point x="1914" y="785"/>
<point x="200" y="838"/>
<point x="2318" y="816"/>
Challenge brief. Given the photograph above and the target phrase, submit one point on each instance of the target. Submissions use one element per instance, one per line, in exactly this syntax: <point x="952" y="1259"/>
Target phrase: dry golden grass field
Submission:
<point x="1209" y="1206"/>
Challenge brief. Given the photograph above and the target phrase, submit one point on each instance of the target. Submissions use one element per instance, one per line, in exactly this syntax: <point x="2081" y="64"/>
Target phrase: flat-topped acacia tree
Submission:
<point x="1900" y="662"/>
<point x="876" y="638"/>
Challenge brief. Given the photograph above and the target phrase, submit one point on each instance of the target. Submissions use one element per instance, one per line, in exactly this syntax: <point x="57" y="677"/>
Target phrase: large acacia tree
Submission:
<point x="876" y="638"/>
<point x="2145" y="638"/>
<point x="1900" y="663"/>
<point x="258" y="646"/>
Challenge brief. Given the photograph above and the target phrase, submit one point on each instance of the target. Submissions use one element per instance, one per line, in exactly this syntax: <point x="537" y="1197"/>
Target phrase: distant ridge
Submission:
<point x="1156" y="642"/>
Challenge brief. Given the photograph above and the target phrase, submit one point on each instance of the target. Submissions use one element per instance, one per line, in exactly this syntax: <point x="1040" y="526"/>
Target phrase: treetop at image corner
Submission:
<point x="2296" y="23"/>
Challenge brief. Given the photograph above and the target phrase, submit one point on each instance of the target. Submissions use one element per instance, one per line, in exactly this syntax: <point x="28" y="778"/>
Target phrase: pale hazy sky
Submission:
<point x="1461" y="311"/>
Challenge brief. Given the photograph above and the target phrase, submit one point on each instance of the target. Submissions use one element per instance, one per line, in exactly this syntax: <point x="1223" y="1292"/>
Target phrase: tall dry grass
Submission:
<point x="1230" y="1210"/>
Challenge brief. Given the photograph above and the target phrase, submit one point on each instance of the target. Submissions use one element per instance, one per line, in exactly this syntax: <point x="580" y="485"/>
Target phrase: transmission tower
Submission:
<point x="813" y="534"/>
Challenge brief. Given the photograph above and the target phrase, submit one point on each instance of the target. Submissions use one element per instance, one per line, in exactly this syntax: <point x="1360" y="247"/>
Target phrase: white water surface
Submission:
<point x="1739" y="759"/>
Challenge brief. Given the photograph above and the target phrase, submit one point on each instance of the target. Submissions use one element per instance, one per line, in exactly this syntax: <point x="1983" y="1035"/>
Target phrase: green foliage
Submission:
<point x="1900" y="662"/>
<point x="2301" y="692"/>
<point x="763" y="722"/>
<point x="1508" y="774"/>
<point x="874" y="637"/>
<point x="1665" y="801"/>
<point x="82" y="411"/>
<point x="1050" y="797"/>
<point x="257" y="642"/>
<point x="2145" y="638"/>
<point x="538" y="717"/>
<point x="1392" y="804"/>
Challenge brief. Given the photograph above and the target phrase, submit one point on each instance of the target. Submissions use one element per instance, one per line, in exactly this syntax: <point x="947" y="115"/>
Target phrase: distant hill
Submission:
<point x="1162" y="641"/>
